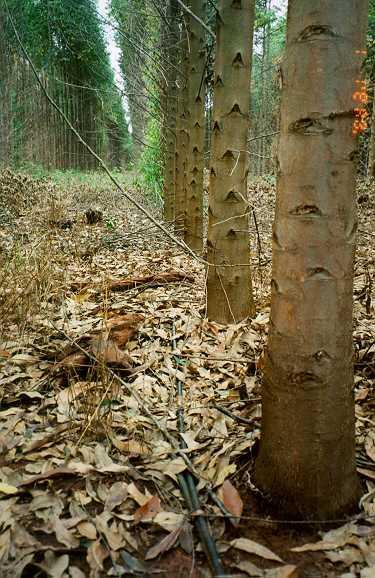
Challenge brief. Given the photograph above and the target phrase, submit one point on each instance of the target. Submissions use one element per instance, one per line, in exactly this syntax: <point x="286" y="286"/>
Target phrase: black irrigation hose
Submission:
<point x="190" y="494"/>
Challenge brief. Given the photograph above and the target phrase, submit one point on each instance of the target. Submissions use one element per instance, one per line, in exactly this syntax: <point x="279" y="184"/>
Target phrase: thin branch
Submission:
<point x="188" y="11"/>
<point x="263" y="135"/>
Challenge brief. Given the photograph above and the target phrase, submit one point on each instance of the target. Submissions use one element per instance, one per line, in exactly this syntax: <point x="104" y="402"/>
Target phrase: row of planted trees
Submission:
<point x="201" y="100"/>
<point x="66" y="41"/>
<point x="187" y="84"/>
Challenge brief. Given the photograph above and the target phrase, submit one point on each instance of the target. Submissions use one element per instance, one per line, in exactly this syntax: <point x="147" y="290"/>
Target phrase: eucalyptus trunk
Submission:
<point x="306" y="464"/>
<point x="229" y="288"/>
<point x="182" y="137"/>
<point x="371" y="160"/>
<point x="171" y="40"/>
<point x="196" y="99"/>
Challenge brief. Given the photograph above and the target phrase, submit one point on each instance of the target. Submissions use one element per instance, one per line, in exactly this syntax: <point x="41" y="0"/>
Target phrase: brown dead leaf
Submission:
<point x="67" y="397"/>
<point x="362" y="394"/>
<point x="107" y="351"/>
<point x="63" y="533"/>
<point x="53" y="437"/>
<point x="370" y="445"/>
<point x="87" y="529"/>
<point x="96" y="554"/>
<point x="148" y="510"/>
<point x="231" y="498"/>
<point x="130" y="446"/>
<point x="169" y="521"/>
<point x="75" y="361"/>
<point x="137" y="495"/>
<point x="331" y="540"/>
<point x="112" y="533"/>
<point x="116" y="495"/>
<point x="288" y="571"/>
<point x="249" y="568"/>
<point x="123" y="327"/>
<point x="252" y="547"/>
<point x="370" y="474"/>
<point x="53" y="565"/>
<point x="49" y="475"/>
<point x="164" y="545"/>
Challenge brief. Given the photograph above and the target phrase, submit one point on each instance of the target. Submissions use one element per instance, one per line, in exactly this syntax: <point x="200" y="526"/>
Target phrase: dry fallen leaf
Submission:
<point x="106" y="351"/>
<point x="231" y="498"/>
<point x="87" y="529"/>
<point x="116" y="495"/>
<point x="249" y="568"/>
<point x="53" y="565"/>
<point x="137" y="496"/>
<point x="333" y="539"/>
<point x="96" y="554"/>
<point x="169" y="521"/>
<point x="164" y="545"/>
<point x="7" y="489"/>
<point x="148" y="510"/>
<point x="288" y="571"/>
<point x="252" y="547"/>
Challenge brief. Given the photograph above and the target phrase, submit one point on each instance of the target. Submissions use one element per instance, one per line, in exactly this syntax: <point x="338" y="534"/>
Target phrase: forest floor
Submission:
<point x="99" y="324"/>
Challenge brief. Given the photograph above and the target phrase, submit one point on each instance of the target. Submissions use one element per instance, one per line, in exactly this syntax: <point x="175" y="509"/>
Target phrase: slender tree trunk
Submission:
<point x="371" y="159"/>
<point x="181" y="138"/>
<point x="229" y="291"/>
<point x="170" y="115"/>
<point x="307" y="453"/>
<point x="196" y="98"/>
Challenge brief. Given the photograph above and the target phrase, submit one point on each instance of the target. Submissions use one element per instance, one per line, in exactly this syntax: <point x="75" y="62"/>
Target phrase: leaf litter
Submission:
<point x="88" y="415"/>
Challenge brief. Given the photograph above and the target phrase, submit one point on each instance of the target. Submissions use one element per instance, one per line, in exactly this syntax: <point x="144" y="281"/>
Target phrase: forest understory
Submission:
<point x="103" y="328"/>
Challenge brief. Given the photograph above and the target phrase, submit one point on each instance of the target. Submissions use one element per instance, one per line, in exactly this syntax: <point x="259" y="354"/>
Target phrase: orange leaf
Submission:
<point x="231" y="499"/>
<point x="123" y="327"/>
<point x="148" y="510"/>
<point x="108" y="352"/>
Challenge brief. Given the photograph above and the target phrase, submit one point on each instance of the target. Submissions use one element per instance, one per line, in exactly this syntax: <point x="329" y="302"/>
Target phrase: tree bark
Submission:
<point x="196" y="99"/>
<point x="371" y="159"/>
<point x="306" y="464"/>
<point x="182" y="137"/>
<point x="171" y="111"/>
<point x="229" y="290"/>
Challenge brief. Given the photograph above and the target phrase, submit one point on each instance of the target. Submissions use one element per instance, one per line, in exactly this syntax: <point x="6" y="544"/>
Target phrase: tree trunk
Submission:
<point x="181" y="138"/>
<point x="229" y="291"/>
<point x="196" y="99"/>
<point x="371" y="159"/>
<point x="306" y="464"/>
<point x="170" y="115"/>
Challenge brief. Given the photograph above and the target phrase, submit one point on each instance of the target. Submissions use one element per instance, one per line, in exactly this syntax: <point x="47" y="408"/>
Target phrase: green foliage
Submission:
<point x="65" y="32"/>
<point x="65" y="39"/>
<point x="151" y="163"/>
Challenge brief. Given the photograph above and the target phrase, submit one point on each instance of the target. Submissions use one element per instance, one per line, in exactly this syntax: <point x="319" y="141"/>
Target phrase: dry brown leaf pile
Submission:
<point x="88" y="479"/>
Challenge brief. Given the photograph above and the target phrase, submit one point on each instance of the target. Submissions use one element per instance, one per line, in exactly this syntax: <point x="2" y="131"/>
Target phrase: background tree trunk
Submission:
<point x="371" y="159"/>
<point x="181" y="136"/>
<point x="171" y="111"/>
<point x="307" y="453"/>
<point x="229" y="291"/>
<point x="196" y="99"/>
